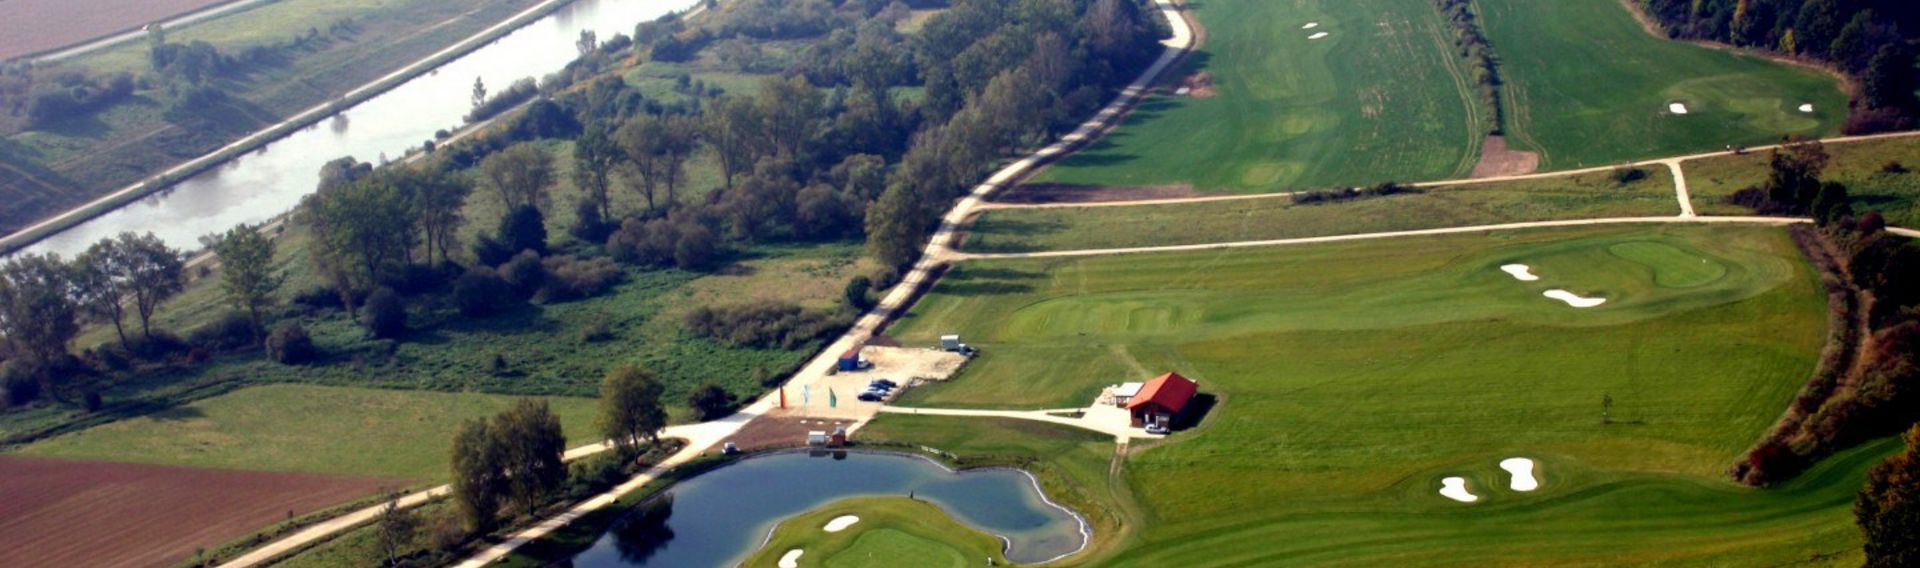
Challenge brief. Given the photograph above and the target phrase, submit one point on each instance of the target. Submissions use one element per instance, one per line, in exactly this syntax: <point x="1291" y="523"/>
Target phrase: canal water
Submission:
<point x="271" y="180"/>
<point x="721" y="517"/>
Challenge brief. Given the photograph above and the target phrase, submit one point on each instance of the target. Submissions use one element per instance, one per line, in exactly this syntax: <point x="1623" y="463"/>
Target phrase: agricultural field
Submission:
<point x="1347" y="379"/>
<point x="34" y="26"/>
<point x="892" y="531"/>
<point x="1613" y="105"/>
<point x="1073" y="228"/>
<point x="1379" y="98"/>
<point x="307" y="429"/>
<point x="72" y="161"/>
<point x="148" y="515"/>
<point x="1867" y="168"/>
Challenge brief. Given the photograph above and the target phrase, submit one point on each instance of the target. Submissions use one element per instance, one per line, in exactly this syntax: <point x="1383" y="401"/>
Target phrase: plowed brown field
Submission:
<point x="33" y="26"/>
<point x="78" y="513"/>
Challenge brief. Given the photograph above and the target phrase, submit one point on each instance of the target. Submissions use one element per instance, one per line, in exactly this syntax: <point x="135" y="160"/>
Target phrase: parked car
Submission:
<point x="871" y="396"/>
<point x="879" y="386"/>
<point x="1158" y="429"/>
<point x="887" y="383"/>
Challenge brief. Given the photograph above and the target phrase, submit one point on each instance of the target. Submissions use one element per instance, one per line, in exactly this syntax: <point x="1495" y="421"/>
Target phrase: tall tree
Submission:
<point x="434" y="200"/>
<point x="153" y="273"/>
<point x="896" y="226"/>
<point x="680" y="138"/>
<point x="37" y="313"/>
<point x="1888" y="508"/>
<point x="532" y="451"/>
<point x="397" y="527"/>
<point x="247" y="277"/>
<point x="478" y="475"/>
<point x="520" y="173"/>
<point x="97" y="287"/>
<point x="362" y="229"/>
<point x="594" y="157"/>
<point x="630" y="409"/>
<point x="732" y="126"/>
<point x="1889" y="81"/>
<point x="790" y="108"/>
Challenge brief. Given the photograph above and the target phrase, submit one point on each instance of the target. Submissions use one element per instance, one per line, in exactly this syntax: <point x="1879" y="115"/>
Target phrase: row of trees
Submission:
<point x="1871" y="40"/>
<point x="45" y="299"/>
<point x="1471" y="44"/>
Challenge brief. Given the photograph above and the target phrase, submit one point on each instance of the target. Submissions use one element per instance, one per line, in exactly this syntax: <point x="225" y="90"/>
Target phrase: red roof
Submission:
<point x="1170" y="391"/>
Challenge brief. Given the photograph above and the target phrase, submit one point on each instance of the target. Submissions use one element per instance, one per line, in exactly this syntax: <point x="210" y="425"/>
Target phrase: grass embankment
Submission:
<point x="1074" y="228"/>
<point x="1612" y="105"/>
<point x="1380" y="98"/>
<point x="1349" y="378"/>
<point x="75" y="160"/>
<point x="304" y="428"/>
<point x="892" y="531"/>
<point x="1862" y="166"/>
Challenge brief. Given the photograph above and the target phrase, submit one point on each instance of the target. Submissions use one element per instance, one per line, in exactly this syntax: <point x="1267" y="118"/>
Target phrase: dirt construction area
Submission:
<point x="76" y="513"/>
<point x="33" y="26"/>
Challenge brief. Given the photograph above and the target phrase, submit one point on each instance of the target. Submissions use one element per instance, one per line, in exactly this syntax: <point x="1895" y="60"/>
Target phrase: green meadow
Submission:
<point x="1072" y="228"/>
<point x="1586" y="85"/>
<point x="305" y="428"/>
<point x="1377" y="99"/>
<point x="1345" y="380"/>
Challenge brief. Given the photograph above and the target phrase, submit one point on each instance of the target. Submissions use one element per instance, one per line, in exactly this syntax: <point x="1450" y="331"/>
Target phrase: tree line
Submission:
<point x="1470" y="44"/>
<point x="1872" y="41"/>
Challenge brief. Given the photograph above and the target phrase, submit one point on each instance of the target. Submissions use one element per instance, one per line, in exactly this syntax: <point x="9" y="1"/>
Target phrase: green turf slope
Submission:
<point x="1377" y="99"/>
<point x="1350" y="378"/>
<point x="1586" y="86"/>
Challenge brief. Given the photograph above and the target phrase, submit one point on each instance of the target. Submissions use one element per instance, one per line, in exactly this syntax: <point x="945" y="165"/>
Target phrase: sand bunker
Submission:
<point x="1455" y="488"/>
<point x="1520" y="272"/>
<point x="1522" y="470"/>
<point x="791" y="559"/>
<point x="1310" y="25"/>
<point x="1573" y="299"/>
<point x="1318" y="35"/>
<point x="1806" y="107"/>
<point x="841" y="523"/>
<point x="1677" y="108"/>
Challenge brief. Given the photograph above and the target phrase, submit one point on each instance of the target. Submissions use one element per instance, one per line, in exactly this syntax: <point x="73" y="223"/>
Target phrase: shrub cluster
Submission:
<point x="1349" y="194"/>
<point x="764" y="325"/>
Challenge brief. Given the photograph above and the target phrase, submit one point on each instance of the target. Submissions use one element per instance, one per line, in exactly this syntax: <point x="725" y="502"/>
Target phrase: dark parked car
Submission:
<point x="871" y="396"/>
<point x="886" y="383"/>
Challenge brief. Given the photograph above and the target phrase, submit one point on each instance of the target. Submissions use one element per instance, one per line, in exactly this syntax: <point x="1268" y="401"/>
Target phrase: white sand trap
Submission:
<point x="791" y="559"/>
<point x="1677" y="108"/>
<point x="1318" y="35"/>
<point x="1520" y="272"/>
<point x="1806" y="107"/>
<point x="1573" y="299"/>
<point x="1522" y="470"/>
<point x="841" y="523"/>
<point x="1455" y="488"/>
<point x="1310" y="25"/>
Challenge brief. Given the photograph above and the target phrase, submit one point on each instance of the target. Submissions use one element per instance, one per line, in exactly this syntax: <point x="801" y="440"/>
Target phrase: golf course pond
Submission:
<point x="721" y="517"/>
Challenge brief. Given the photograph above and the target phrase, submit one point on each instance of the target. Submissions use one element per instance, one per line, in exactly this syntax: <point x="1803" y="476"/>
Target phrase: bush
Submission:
<point x="596" y="331"/>
<point x="588" y="226"/>
<point x="1628" y="174"/>
<point x="524" y="274"/>
<point x="22" y="387"/>
<point x="490" y="251"/>
<point x="232" y="331"/>
<point x="319" y="298"/>
<point x="1894" y="167"/>
<point x="1382" y="189"/>
<point x="763" y="325"/>
<point x="710" y="401"/>
<point x="857" y="293"/>
<point x="524" y="229"/>
<point x="290" y="345"/>
<point x="480" y="293"/>
<point x="572" y="278"/>
<point x="385" y="316"/>
<point x="92" y="401"/>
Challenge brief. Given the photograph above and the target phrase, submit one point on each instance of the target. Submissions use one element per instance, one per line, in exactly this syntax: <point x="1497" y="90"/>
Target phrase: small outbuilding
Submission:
<point x="1125" y="392"/>
<point x="850" y="361"/>
<point x="1161" y="400"/>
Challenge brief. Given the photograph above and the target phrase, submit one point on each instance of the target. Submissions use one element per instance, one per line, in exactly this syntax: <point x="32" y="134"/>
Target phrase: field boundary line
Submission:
<point x="1772" y="221"/>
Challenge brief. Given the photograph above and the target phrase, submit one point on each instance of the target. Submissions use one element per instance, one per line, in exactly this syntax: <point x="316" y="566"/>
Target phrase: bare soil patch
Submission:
<point x="773" y="432"/>
<point x="79" y="513"/>
<point x="1497" y="160"/>
<point x="33" y="26"/>
<point x="1198" y="85"/>
<point x="1044" y="193"/>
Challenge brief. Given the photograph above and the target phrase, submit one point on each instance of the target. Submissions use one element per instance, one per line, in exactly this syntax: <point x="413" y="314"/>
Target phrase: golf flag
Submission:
<point x="806" y="395"/>
<point x="833" y="400"/>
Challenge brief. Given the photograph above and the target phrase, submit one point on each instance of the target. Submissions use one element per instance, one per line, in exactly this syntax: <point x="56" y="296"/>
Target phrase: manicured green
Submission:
<point x="892" y="531"/>
<point x="1862" y="166"/>
<point x="1378" y="99"/>
<point x="1586" y="85"/>
<point x="315" y="429"/>
<point x="1347" y="379"/>
<point x="1072" y="228"/>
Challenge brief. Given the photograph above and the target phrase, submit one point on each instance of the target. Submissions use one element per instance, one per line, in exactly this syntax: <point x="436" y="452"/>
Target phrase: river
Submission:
<point x="267" y="182"/>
